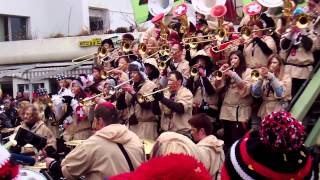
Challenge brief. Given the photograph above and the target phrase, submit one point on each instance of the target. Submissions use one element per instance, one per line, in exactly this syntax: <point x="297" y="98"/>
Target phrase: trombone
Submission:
<point x="163" y="64"/>
<point x="102" y="52"/>
<point x="142" y="48"/>
<point x="148" y="97"/>
<point x="106" y="74"/>
<point x="113" y="89"/>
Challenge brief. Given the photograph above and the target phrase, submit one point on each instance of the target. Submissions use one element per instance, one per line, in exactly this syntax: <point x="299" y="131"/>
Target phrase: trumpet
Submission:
<point x="113" y="89"/>
<point x="219" y="74"/>
<point x="148" y="97"/>
<point x="90" y="101"/>
<point x="163" y="64"/>
<point x="194" y="71"/>
<point x="255" y="75"/>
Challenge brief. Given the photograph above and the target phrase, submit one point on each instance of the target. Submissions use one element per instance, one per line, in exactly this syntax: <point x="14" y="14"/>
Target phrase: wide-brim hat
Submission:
<point x="201" y="54"/>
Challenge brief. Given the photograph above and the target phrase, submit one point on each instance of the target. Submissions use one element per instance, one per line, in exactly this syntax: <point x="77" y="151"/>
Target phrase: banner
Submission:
<point x="141" y="12"/>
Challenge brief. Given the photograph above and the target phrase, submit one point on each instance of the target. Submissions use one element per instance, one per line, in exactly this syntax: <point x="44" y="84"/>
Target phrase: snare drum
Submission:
<point x="26" y="174"/>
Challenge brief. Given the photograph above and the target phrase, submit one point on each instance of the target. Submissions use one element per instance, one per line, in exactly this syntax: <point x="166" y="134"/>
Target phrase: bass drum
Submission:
<point x="26" y="174"/>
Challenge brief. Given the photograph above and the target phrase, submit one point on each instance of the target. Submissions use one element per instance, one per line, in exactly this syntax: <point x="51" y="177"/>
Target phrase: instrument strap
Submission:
<point x="124" y="152"/>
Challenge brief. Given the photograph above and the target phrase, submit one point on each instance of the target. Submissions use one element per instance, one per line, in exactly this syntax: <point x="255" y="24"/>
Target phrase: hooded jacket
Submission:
<point x="99" y="156"/>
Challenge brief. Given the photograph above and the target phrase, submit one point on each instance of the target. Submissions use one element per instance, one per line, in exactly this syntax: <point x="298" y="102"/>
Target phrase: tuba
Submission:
<point x="180" y="12"/>
<point x="303" y="21"/>
<point x="219" y="11"/>
<point x="158" y="7"/>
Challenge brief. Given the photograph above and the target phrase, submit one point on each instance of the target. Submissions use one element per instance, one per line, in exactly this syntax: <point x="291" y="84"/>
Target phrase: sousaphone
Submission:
<point x="204" y="6"/>
<point x="157" y="7"/>
<point x="270" y="3"/>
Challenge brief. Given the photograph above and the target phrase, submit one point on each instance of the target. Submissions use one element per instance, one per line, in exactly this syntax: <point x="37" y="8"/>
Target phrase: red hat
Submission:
<point x="173" y="166"/>
<point x="157" y="18"/>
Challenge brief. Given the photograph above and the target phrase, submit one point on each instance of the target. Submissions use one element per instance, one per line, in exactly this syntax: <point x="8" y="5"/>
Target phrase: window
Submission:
<point x="98" y="20"/>
<point x="13" y="28"/>
<point x="96" y="24"/>
<point x="26" y="87"/>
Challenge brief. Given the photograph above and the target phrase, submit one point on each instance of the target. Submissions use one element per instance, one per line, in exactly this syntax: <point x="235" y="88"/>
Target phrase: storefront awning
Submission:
<point x="44" y="71"/>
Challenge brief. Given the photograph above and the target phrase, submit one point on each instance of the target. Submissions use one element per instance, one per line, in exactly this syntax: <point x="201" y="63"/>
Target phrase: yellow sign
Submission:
<point x="92" y="42"/>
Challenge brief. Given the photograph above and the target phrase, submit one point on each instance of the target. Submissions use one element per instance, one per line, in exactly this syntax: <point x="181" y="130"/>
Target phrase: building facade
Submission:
<point x="39" y="38"/>
<point x="33" y="19"/>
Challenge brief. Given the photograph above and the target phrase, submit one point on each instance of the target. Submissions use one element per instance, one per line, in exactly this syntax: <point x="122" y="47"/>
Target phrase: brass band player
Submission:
<point x="273" y="85"/>
<point x="142" y="119"/>
<point x="176" y="105"/>
<point x="205" y="98"/>
<point x="261" y="45"/>
<point x="176" y="63"/>
<point x="297" y="48"/>
<point x="237" y="100"/>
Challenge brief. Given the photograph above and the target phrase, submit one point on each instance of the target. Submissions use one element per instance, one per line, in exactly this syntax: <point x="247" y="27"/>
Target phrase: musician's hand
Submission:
<point x="128" y="88"/>
<point x="48" y="162"/>
<point x="229" y="73"/>
<point x="264" y="72"/>
<point x="158" y="96"/>
<point x="201" y="72"/>
<point x="223" y="67"/>
<point x="116" y="71"/>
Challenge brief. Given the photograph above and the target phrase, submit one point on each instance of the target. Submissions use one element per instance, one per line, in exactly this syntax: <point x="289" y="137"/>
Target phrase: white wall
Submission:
<point x="49" y="17"/>
<point x="115" y="7"/>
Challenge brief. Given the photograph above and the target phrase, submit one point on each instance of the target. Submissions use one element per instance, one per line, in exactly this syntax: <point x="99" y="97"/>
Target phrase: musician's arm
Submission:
<point x="190" y="83"/>
<point x="306" y="42"/>
<point x="174" y="106"/>
<point x="264" y="46"/>
<point x="121" y="102"/>
<point x="208" y="86"/>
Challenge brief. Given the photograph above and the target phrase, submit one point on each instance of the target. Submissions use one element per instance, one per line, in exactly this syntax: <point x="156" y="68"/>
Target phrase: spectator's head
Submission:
<point x="106" y="114"/>
<point x="201" y="126"/>
<point x="270" y="152"/>
<point x="30" y="114"/>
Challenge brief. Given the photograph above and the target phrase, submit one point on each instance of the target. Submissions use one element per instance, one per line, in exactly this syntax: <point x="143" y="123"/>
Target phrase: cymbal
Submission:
<point x="7" y="130"/>
<point x="74" y="142"/>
